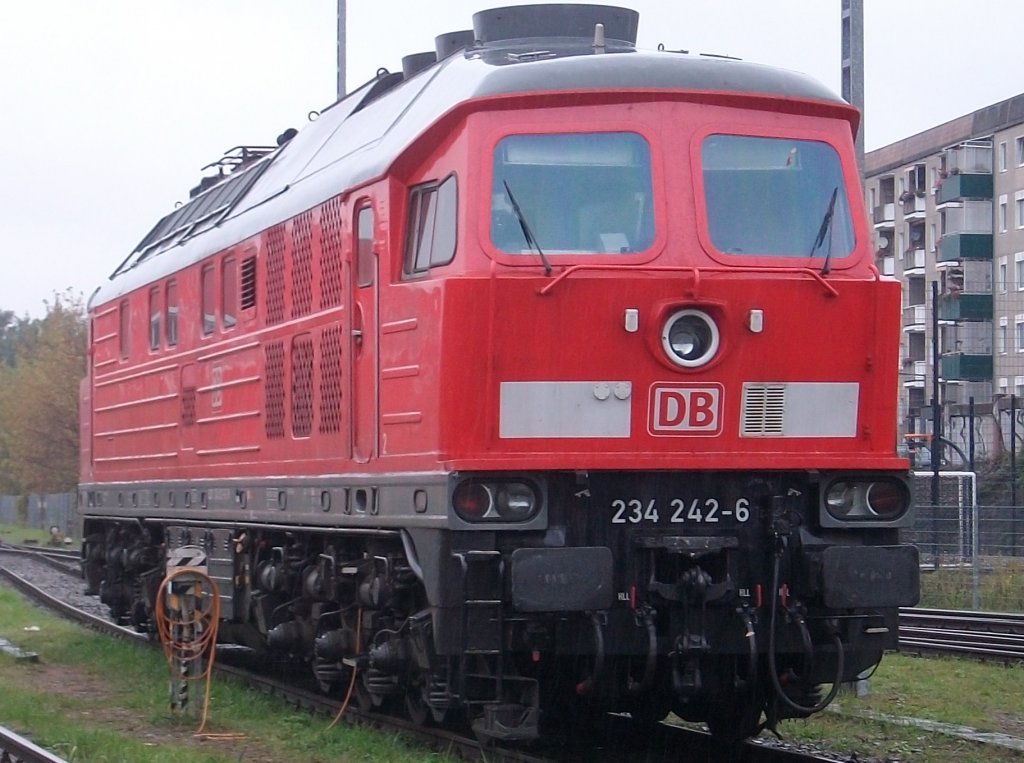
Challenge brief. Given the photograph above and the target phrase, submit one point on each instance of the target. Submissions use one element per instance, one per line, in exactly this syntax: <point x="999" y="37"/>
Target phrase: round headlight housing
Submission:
<point x="690" y="338"/>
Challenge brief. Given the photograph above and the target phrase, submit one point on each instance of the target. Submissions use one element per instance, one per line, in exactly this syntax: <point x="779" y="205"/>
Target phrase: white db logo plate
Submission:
<point x="686" y="409"/>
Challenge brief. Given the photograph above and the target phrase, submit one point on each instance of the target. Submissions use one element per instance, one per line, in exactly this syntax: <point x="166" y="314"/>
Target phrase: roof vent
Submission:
<point x="555" y="20"/>
<point x="417" y="62"/>
<point x="452" y="42"/>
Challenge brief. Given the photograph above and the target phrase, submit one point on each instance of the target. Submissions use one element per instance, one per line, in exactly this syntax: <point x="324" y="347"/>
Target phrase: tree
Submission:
<point x="39" y="397"/>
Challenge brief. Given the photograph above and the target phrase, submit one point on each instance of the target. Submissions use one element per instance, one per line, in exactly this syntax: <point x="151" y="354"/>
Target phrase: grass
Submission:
<point x="1000" y="588"/>
<point x="18" y="534"/>
<point x="948" y="690"/>
<point x="94" y="699"/>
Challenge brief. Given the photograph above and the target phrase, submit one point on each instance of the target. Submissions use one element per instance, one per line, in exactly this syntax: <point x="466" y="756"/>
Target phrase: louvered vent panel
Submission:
<point x="275" y="274"/>
<point x="302" y="385"/>
<point x="763" y="410"/>
<point x="331" y="254"/>
<point x="273" y="390"/>
<point x="248" y="295"/>
<point x="302" y="266"/>
<point x="330" y="380"/>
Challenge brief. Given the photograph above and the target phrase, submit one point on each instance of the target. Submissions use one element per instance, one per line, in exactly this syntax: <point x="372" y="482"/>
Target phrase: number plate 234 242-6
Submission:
<point x="635" y="511"/>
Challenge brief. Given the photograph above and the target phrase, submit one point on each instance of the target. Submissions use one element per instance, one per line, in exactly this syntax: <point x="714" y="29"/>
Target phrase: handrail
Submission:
<point x="695" y="269"/>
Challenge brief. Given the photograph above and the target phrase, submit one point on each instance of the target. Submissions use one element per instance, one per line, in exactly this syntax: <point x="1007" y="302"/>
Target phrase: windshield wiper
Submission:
<point x="527" y="233"/>
<point x="823" y="232"/>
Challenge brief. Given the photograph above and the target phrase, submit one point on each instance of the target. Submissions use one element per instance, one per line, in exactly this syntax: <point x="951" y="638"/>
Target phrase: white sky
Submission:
<point x="111" y="107"/>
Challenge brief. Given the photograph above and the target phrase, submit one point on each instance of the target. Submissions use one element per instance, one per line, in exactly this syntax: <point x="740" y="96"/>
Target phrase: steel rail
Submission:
<point x="15" y="748"/>
<point x="986" y="635"/>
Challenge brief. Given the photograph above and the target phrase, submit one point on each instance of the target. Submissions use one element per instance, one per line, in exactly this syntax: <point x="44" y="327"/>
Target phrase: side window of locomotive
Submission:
<point x="229" y="292"/>
<point x="364" y="247"/>
<point x="123" y="325"/>
<point x="207" y="298"/>
<point x="154" y="318"/>
<point x="775" y="197"/>
<point x="433" y="214"/>
<point x="172" y="313"/>
<point x="580" y="193"/>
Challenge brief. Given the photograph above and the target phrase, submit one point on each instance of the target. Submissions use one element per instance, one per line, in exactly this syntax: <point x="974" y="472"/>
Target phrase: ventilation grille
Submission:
<point x="330" y="380"/>
<point x="302" y="266"/>
<point x="275" y="274"/>
<point x="188" y="406"/>
<point x="273" y="390"/>
<point x="764" y="408"/>
<point x="331" y="254"/>
<point x="302" y="385"/>
<point x="248" y="297"/>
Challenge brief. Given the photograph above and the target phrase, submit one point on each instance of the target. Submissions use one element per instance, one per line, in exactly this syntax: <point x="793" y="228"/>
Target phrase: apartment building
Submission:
<point x="947" y="208"/>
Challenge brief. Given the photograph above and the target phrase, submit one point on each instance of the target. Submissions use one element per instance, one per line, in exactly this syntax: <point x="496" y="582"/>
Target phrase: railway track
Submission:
<point x="16" y="749"/>
<point x="985" y="635"/>
<point x="618" y="739"/>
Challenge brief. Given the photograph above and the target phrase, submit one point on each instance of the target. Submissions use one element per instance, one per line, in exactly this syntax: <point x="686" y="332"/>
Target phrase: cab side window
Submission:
<point x="431" y="229"/>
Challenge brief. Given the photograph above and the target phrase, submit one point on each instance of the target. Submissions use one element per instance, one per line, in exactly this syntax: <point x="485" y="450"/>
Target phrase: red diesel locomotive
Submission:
<point x="545" y="378"/>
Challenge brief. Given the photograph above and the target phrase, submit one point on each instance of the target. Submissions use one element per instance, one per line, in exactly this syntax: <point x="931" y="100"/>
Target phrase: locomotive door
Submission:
<point x="364" y="339"/>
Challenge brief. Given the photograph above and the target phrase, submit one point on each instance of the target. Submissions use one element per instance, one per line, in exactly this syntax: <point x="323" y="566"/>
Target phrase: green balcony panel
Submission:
<point x="965" y="307"/>
<point x="957" y="187"/>
<point x="963" y="367"/>
<point x="965" y="246"/>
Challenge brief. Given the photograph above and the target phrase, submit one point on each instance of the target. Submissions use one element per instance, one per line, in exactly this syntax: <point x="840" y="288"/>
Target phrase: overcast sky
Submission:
<point x="111" y="107"/>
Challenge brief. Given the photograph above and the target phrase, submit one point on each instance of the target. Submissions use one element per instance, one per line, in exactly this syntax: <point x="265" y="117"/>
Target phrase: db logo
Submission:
<point x="686" y="409"/>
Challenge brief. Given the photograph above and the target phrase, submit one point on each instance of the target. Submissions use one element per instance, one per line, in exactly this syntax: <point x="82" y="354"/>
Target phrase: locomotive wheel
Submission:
<point x="416" y="706"/>
<point x="734" y="721"/>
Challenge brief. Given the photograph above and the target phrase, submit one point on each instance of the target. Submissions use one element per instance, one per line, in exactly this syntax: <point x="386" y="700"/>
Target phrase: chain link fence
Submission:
<point x="41" y="512"/>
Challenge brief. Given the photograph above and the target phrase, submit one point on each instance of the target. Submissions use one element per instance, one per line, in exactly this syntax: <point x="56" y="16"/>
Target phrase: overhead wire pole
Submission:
<point x="341" y="49"/>
<point x="853" y="66"/>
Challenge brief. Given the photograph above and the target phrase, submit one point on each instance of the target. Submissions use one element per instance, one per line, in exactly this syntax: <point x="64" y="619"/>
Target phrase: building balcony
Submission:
<point x="965" y="307"/>
<point x="884" y="215"/>
<point x="914" y="373"/>
<point x="887" y="265"/>
<point x="913" y="261"/>
<point x="965" y="246"/>
<point x="964" y="367"/>
<point x="914" y="206"/>
<point x="958" y="187"/>
<point x="915" y="317"/>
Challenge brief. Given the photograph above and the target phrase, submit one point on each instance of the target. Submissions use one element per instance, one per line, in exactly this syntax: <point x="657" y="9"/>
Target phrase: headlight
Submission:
<point x="690" y="338"/>
<point x="882" y="502"/>
<point x="495" y="501"/>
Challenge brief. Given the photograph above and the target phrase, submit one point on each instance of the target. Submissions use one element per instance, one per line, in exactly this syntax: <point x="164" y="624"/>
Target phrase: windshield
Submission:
<point x="582" y="193"/>
<point x="775" y="197"/>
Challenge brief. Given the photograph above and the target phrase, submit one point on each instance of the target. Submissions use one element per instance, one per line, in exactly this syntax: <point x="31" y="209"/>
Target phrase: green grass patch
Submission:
<point x="18" y="534"/>
<point x="985" y="697"/>
<point x="1000" y="587"/>
<point x="92" y="698"/>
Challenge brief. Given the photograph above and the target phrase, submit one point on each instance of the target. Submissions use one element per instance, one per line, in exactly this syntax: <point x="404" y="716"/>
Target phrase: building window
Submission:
<point x="229" y="291"/>
<point x="1001" y="336"/>
<point x="1020" y="150"/>
<point x="154" y="318"/>
<point x="1018" y="266"/>
<point x="1018" y="203"/>
<point x="1003" y="385"/>
<point x="1003" y="272"/>
<point x="208" y="298"/>
<point x="1002" y="157"/>
<point x="172" y="313"/>
<point x="1019" y="331"/>
<point x="1002" y="214"/>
